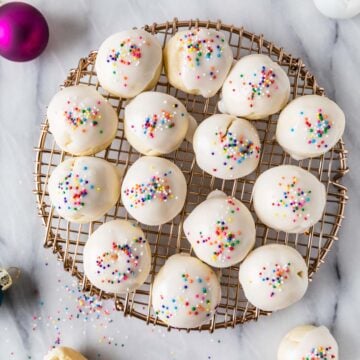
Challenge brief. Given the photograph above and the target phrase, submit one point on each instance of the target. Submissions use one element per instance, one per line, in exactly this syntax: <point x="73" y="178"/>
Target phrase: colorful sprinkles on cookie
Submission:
<point x="75" y="188"/>
<point x="276" y="277"/>
<point x="294" y="198"/>
<point x="200" y="50"/>
<point x="320" y="353"/>
<point x="79" y="116"/>
<point x="157" y="188"/>
<point x="236" y="149"/>
<point x="108" y="262"/>
<point x="194" y="304"/>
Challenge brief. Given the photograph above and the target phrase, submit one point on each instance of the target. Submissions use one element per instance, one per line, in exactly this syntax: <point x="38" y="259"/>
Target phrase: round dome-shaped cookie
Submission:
<point x="117" y="257"/>
<point x="226" y="147"/>
<point x="197" y="61"/>
<point x="156" y="123"/>
<point x="81" y="120"/>
<point x="274" y="277"/>
<point x="309" y="343"/>
<point x="185" y="292"/>
<point x="64" y="353"/>
<point x="255" y="88"/>
<point x="129" y="62"/>
<point x="289" y="198"/>
<point x="309" y="126"/>
<point x="83" y="189"/>
<point x="153" y="190"/>
<point x="338" y="9"/>
<point x="221" y="230"/>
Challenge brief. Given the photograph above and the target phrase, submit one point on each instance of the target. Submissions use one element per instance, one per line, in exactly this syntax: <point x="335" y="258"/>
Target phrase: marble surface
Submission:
<point x="43" y="309"/>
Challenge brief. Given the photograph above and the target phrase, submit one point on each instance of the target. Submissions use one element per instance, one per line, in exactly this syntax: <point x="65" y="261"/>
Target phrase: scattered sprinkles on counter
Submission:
<point x="199" y="50"/>
<point x="109" y="262"/>
<point x="320" y="353"/>
<point x="294" y="199"/>
<point x="276" y="277"/>
<point x="198" y="304"/>
<point x="75" y="189"/>
<point x="158" y="188"/>
<point x="236" y="149"/>
<point x="78" y="116"/>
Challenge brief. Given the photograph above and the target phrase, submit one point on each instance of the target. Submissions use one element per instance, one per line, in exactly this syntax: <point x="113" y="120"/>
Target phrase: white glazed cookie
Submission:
<point x="338" y="9"/>
<point x="255" y="88"/>
<point x="153" y="190"/>
<point x="129" y="62"/>
<point x="83" y="189"/>
<point x="308" y="343"/>
<point x="81" y="120"/>
<point x="197" y="61"/>
<point x="64" y="353"/>
<point x="310" y="126"/>
<point x="289" y="198"/>
<point x="274" y="277"/>
<point x="226" y="147"/>
<point x="185" y="292"/>
<point x="117" y="257"/>
<point x="156" y="123"/>
<point x="221" y="230"/>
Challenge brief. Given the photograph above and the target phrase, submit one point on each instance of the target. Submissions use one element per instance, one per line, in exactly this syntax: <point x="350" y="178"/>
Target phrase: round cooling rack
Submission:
<point x="67" y="239"/>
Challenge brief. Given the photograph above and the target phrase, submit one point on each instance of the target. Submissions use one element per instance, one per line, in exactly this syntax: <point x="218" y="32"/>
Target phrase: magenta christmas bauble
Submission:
<point x="24" y="32"/>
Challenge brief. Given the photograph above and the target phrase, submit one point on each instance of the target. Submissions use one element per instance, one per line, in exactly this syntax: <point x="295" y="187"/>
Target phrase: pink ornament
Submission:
<point x="24" y="32"/>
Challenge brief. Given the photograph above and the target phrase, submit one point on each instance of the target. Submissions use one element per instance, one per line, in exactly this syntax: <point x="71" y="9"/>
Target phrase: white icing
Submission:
<point x="338" y="9"/>
<point x="226" y="147"/>
<point x="221" y="230"/>
<point x="155" y="123"/>
<point x="308" y="342"/>
<point x="81" y="120"/>
<point x="153" y="190"/>
<point x="273" y="277"/>
<point x="198" y="60"/>
<point x="255" y="88"/>
<point x="129" y="62"/>
<point x="309" y="126"/>
<point x="185" y="292"/>
<point x="289" y="198"/>
<point x="64" y="353"/>
<point x="83" y="189"/>
<point x="117" y="257"/>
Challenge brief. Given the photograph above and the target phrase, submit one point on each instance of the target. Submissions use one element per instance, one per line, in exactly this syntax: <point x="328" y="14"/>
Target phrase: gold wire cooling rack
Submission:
<point x="67" y="239"/>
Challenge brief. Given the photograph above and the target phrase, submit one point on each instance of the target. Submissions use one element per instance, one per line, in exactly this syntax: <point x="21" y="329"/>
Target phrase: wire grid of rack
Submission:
<point x="67" y="239"/>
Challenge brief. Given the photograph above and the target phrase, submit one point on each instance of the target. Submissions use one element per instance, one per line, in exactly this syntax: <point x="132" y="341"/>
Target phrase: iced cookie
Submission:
<point x="129" y="62"/>
<point x="197" y="61"/>
<point x="81" y="120"/>
<point x="156" y="123"/>
<point x="255" y="88"/>
<point x="308" y="343"/>
<point x="64" y="353"/>
<point x="338" y="9"/>
<point x="274" y="277"/>
<point x="226" y="147"/>
<point x="310" y="126"/>
<point x="153" y="190"/>
<point x="221" y="230"/>
<point x="83" y="189"/>
<point x="289" y="198"/>
<point x="185" y="292"/>
<point x="117" y="257"/>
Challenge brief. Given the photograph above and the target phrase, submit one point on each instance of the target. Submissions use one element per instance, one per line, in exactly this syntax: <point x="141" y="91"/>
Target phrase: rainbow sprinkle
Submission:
<point x="160" y="122"/>
<point x="320" y="353"/>
<point x="277" y="277"/>
<point x="110" y="260"/>
<point x="78" y="116"/>
<point x="74" y="189"/>
<point x="293" y="198"/>
<point x="316" y="132"/>
<point x="157" y="188"/>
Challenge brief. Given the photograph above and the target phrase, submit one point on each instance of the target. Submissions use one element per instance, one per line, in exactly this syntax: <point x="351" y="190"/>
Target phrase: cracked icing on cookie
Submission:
<point x="320" y="353"/>
<point x="275" y="277"/>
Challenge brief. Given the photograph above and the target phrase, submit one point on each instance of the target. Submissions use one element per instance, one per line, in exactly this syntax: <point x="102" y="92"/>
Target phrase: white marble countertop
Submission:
<point x="42" y="309"/>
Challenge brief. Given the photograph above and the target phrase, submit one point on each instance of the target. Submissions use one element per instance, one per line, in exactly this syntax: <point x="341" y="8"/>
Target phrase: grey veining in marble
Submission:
<point x="29" y="322"/>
